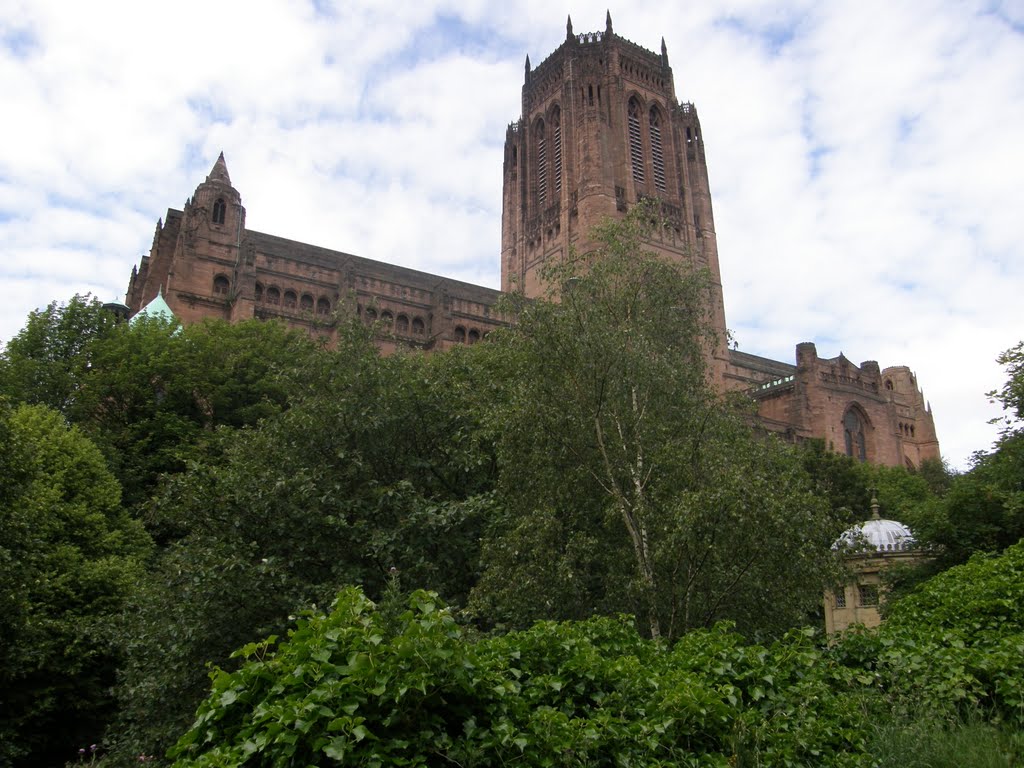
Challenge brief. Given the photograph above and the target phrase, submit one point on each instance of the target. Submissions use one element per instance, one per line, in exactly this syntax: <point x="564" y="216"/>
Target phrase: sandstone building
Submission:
<point x="601" y="129"/>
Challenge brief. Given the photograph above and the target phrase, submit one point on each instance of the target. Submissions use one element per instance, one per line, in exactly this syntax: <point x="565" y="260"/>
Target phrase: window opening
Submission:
<point x="460" y="334"/>
<point x="557" y="148"/>
<point x="306" y="303"/>
<point x="220" y="284"/>
<point x="323" y="306"/>
<point x="273" y="296"/>
<point x="853" y="432"/>
<point x="636" y="156"/>
<point x="474" y="336"/>
<point x="841" y="597"/>
<point x="542" y="165"/>
<point x="417" y="326"/>
<point x="259" y="291"/>
<point x="402" y="324"/>
<point x="219" y="209"/>
<point x="868" y="594"/>
<point x="590" y="95"/>
<point x="657" y="156"/>
<point x="290" y="299"/>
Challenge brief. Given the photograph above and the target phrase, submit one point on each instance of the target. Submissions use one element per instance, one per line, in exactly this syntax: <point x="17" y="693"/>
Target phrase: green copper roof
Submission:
<point x="157" y="308"/>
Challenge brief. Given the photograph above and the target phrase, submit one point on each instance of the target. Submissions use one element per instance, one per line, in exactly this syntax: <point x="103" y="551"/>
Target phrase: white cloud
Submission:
<point x="864" y="157"/>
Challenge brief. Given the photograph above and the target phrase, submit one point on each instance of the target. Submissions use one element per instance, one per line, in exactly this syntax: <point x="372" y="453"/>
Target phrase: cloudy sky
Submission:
<point x="866" y="157"/>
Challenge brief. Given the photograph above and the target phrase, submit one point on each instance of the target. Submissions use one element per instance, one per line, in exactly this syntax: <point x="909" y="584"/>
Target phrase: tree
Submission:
<point x="375" y="469"/>
<point x="68" y="558"/>
<point x="46" y="362"/>
<point x="614" y="449"/>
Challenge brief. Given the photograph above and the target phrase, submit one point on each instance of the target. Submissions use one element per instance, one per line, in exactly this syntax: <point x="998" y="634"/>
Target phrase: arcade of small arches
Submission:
<point x="287" y="299"/>
<point x="400" y="323"/>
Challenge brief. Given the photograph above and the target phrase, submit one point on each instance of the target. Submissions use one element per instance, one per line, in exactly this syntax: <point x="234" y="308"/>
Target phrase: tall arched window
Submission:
<point x="323" y="306"/>
<point x="542" y="165"/>
<point x="306" y="303"/>
<point x="219" y="209"/>
<point x="556" y="149"/>
<point x="273" y="295"/>
<point x="853" y="433"/>
<point x="221" y="285"/>
<point x="290" y="299"/>
<point x="636" y="152"/>
<point x="657" y="154"/>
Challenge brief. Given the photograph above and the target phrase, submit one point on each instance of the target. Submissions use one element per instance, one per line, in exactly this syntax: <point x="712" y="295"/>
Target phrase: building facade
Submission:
<point x="601" y="130"/>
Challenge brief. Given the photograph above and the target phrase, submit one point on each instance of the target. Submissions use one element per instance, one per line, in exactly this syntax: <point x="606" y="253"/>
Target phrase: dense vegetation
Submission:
<point x="171" y="494"/>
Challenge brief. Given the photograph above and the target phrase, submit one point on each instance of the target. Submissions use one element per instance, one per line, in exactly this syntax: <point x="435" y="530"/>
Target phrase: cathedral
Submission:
<point x="601" y="129"/>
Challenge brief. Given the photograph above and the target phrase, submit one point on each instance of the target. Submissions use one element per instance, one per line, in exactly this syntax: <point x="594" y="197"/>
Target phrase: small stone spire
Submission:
<point x="874" y="505"/>
<point x="527" y="67"/>
<point x="608" y="23"/>
<point x="664" y="53"/>
<point x="220" y="171"/>
<point x="568" y="28"/>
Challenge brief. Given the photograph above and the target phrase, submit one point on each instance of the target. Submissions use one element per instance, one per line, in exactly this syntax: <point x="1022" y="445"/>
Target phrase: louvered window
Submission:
<point x="657" y="155"/>
<point x="542" y="166"/>
<point x="557" y="150"/>
<point x="636" y="155"/>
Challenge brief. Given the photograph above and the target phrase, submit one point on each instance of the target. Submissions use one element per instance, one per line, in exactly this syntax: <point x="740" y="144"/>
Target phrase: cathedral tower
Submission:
<point x="195" y="257"/>
<point x="600" y="130"/>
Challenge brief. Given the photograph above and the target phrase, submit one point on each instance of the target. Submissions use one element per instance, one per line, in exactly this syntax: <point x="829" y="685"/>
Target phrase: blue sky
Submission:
<point x="865" y="157"/>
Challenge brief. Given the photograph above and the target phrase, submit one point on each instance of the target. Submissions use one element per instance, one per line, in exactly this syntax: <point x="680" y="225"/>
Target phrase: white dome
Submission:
<point x="877" y="534"/>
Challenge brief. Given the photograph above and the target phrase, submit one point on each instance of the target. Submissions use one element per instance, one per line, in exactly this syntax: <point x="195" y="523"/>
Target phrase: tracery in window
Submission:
<point x="853" y="434"/>
<point x="636" y="153"/>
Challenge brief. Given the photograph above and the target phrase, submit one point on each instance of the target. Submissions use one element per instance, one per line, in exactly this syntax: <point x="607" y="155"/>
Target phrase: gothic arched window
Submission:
<point x="221" y="285"/>
<point x="306" y="303"/>
<point x="323" y="306"/>
<point x="219" y="209"/>
<point x="853" y="434"/>
<point x="542" y="165"/>
<point x="402" y="324"/>
<point x="259" y="291"/>
<point x="657" y="153"/>
<point x="417" y="326"/>
<point x="273" y="295"/>
<point x="290" y="299"/>
<point x="636" y="152"/>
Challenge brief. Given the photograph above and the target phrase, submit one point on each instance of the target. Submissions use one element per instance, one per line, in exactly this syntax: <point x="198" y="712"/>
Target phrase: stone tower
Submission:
<point x="600" y="130"/>
<point x="195" y="257"/>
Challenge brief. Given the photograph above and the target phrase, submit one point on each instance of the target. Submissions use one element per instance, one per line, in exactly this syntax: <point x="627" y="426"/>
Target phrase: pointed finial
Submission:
<point x="220" y="171"/>
<point x="527" y="63"/>
<point x="568" y="28"/>
<point x="608" y="23"/>
<point x="874" y="504"/>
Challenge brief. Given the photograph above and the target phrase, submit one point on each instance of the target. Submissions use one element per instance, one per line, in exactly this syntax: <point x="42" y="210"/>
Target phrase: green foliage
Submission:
<point x="68" y="558"/>
<point x="1011" y="395"/>
<point x="48" y="359"/>
<point x="150" y="393"/>
<point x="374" y="469"/>
<point x="625" y="483"/>
<point x="366" y="686"/>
